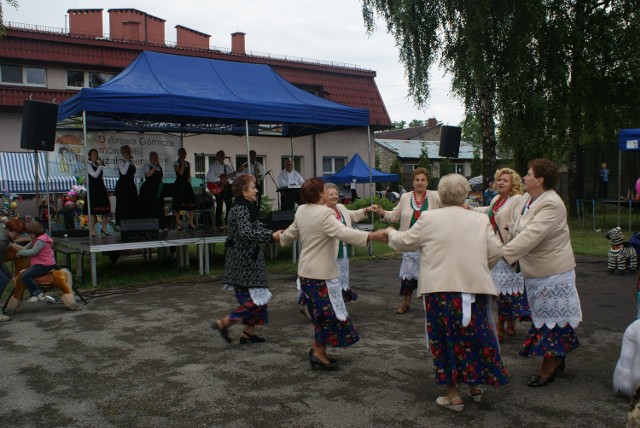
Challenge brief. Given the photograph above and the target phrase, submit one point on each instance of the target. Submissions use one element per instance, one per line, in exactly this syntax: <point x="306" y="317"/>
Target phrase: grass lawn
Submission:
<point x="134" y="270"/>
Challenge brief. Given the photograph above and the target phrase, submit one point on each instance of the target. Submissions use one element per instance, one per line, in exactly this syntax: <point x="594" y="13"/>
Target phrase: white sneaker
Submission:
<point x="37" y="298"/>
<point x="4" y="318"/>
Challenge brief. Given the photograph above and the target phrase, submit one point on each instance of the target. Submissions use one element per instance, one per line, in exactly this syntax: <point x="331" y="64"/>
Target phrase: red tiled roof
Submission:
<point x="350" y="86"/>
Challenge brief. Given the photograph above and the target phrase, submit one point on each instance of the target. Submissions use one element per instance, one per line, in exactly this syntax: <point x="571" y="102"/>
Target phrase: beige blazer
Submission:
<point x="505" y="216"/>
<point x="403" y="211"/>
<point x="541" y="241"/>
<point x="458" y="248"/>
<point x="318" y="230"/>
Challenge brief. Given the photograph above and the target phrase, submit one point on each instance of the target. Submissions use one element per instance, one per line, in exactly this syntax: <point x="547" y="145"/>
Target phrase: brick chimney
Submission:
<point x="432" y="122"/>
<point x="237" y="43"/>
<point x="134" y="25"/>
<point x="85" y="22"/>
<point x="188" y="38"/>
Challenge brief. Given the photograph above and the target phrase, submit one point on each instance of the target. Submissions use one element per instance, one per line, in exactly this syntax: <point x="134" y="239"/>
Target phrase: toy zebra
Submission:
<point x="622" y="255"/>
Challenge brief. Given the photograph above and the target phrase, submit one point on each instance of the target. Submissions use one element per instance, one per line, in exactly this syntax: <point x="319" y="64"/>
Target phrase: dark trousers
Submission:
<point x="29" y="277"/>
<point x="226" y="197"/>
<point x="604" y="189"/>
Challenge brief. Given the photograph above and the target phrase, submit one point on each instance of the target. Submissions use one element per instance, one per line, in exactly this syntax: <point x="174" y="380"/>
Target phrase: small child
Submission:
<point x="43" y="260"/>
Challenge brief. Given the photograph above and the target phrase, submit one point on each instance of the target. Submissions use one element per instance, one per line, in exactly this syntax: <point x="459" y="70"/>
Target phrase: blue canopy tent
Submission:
<point x="171" y="93"/>
<point x="628" y="140"/>
<point x="359" y="171"/>
<point x="162" y="92"/>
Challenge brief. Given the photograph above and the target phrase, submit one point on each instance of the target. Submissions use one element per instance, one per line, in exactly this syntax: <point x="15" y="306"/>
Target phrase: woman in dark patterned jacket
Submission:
<point x="245" y="264"/>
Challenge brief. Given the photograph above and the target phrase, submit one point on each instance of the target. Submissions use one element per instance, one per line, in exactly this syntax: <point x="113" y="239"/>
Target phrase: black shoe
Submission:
<point x="314" y="361"/>
<point x="250" y="338"/>
<point x="104" y="233"/>
<point x="537" y="381"/>
<point x="224" y="332"/>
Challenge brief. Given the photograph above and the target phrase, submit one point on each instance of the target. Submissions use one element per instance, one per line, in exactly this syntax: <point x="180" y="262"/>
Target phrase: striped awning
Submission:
<point x="17" y="174"/>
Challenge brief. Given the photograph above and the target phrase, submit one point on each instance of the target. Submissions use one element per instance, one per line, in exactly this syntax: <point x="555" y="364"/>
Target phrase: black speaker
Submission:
<point x="39" y="121"/>
<point x="204" y="202"/>
<point x="280" y="219"/>
<point x="139" y="229"/>
<point x="449" y="141"/>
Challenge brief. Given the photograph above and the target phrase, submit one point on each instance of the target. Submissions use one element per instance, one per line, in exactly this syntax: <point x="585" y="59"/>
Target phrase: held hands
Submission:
<point x="375" y="209"/>
<point x="277" y="234"/>
<point x="381" y="235"/>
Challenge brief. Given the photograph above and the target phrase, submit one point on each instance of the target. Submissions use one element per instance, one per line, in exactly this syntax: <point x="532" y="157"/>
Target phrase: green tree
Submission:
<point x="399" y="124"/>
<point x="416" y="122"/>
<point x="423" y="160"/>
<point x="12" y="3"/>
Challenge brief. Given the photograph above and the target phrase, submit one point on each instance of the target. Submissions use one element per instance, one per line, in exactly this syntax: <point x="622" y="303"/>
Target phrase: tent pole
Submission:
<point x="246" y="133"/>
<point x="35" y="161"/>
<point x="370" y="174"/>
<point x="48" y="191"/>
<point x="86" y="168"/>
<point x="619" y="181"/>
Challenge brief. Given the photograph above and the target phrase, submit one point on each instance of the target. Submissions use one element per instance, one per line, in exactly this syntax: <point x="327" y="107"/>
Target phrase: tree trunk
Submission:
<point x="487" y="128"/>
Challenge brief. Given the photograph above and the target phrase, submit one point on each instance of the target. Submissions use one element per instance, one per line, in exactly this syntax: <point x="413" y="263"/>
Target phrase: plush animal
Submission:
<point x="59" y="278"/>
<point x="622" y="255"/>
<point x="626" y="376"/>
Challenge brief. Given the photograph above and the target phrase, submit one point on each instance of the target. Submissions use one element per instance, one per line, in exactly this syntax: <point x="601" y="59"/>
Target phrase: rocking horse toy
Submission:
<point x="622" y="255"/>
<point x="58" y="278"/>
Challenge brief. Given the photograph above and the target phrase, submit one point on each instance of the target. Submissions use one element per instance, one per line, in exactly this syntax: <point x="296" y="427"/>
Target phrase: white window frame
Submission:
<point x="86" y="78"/>
<point x="333" y="164"/>
<point x="24" y="70"/>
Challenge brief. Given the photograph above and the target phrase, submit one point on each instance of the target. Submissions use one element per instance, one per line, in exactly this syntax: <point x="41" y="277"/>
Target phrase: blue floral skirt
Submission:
<point x="462" y="354"/>
<point x="512" y="307"/>
<point x="248" y="312"/>
<point x="550" y="342"/>
<point x="329" y="330"/>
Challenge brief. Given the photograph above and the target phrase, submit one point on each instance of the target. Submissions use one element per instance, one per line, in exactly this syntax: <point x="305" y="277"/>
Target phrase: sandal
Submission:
<point x="538" y="381"/>
<point x="477" y="397"/>
<point x="403" y="309"/>
<point x="448" y="404"/>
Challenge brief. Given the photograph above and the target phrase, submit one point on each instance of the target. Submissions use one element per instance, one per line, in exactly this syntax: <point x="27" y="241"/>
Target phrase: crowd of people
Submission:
<point x="460" y="261"/>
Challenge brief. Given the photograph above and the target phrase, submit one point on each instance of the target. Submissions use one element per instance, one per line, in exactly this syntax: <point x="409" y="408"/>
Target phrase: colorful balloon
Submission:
<point x="14" y="205"/>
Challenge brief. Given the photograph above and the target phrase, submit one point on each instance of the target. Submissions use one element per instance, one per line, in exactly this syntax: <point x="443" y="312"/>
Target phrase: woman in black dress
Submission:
<point x="151" y="200"/>
<point x="98" y="196"/>
<point x="126" y="191"/>
<point x="183" y="197"/>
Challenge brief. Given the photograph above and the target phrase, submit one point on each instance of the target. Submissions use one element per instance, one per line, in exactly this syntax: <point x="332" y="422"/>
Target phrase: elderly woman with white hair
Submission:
<point x="457" y="248"/>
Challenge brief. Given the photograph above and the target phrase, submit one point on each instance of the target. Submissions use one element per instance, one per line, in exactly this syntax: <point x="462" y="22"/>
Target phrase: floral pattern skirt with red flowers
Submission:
<point x="329" y="330"/>
<point x="512" y="307"/>
<point x="463" y="354"/>
<point x="550" y="342"/>
<point x="248" y="312"/>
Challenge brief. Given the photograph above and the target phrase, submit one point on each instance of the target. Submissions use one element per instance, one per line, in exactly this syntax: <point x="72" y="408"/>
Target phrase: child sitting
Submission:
<point x="40" y="249"/>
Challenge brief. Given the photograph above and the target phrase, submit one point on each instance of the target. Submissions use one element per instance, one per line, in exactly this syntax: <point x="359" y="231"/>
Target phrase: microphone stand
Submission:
<point x="275" y="184"/>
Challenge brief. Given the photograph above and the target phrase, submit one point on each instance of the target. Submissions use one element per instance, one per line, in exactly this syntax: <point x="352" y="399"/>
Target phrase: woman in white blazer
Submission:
<point x="457" y="249"/>
<point x="542" y="247"/>
<point x="318" y="230"/>
<point x="408" y="210"/>
<point x="512" y="300"/>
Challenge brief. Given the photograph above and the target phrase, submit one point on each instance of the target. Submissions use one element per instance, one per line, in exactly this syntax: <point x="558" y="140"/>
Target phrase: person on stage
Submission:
<point x="244" y="267"/>
<point x="256" y="169"/>
<point x="319" y="232"/>
<point x="183" y="197"/>
<point x="151" y="198"/>
<point x="512" y="300"/>
<point x="407" y="211"/>
<point x="288" y="178"/>
<point x="218" y="178"/>
<point x="126" y="191"/>
<point x="457" y="248"/>
<point x="541" y="246"/>
<point x="98" y="197"/>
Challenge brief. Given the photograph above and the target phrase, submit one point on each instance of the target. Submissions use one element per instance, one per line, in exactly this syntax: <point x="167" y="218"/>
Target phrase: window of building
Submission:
<point x="19" y="75"/>
<point x="332" y="164"/>
<point x="202" y="164"/>
<point x="458" y="168"/>
<point x="409" y="167"/>
<point x="89" y="79"/>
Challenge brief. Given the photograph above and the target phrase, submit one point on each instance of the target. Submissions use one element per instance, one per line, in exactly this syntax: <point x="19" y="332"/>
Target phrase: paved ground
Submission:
<point x="148" y="358"/>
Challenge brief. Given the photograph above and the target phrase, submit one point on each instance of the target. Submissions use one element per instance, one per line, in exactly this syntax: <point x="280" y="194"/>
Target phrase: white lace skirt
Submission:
<point x="343" y="264"/>
<point x="410" y="267"/>
<point x="506" y="280"/>
<point x="553" y="300"/>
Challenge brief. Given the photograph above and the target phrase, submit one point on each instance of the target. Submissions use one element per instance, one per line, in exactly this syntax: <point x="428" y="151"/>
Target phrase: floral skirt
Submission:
<point x="512" y="307"/>
<point x="462" y="354"/>
<point x="248" y="312"/>
<point x="550" y="342"/>
<point x="329" y="331"/>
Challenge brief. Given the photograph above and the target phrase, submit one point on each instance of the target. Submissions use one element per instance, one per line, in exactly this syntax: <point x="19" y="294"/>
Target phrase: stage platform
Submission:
<point x="172" y="238"/>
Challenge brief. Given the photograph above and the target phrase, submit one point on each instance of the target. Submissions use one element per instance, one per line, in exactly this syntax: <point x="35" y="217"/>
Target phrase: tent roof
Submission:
<point x="358" y="170"/>
<point x="17" y="174"/>
<point x="162" y="92"/>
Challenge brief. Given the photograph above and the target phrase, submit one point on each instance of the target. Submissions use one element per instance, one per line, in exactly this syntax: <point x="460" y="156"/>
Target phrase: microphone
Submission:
<point x="268" y="172"/>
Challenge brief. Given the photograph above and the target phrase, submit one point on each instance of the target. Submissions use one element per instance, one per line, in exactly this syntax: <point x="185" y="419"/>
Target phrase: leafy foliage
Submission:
<point x="12" y="3"/>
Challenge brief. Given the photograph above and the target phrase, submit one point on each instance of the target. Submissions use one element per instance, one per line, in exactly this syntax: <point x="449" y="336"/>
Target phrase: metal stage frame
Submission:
<point x="172" y="238"/>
